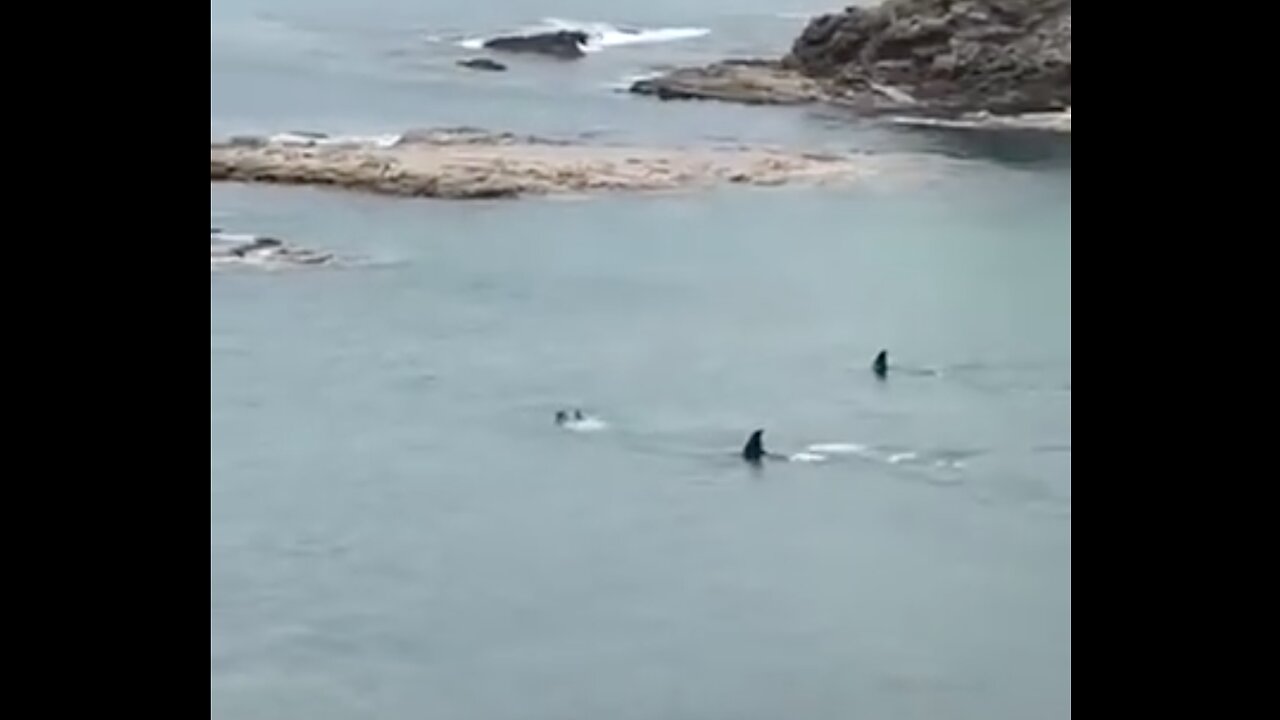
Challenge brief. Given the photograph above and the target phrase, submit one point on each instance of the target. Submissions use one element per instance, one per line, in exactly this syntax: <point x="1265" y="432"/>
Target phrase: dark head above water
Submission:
<point x="881" y="365"/>
<point x="562" y="416"/>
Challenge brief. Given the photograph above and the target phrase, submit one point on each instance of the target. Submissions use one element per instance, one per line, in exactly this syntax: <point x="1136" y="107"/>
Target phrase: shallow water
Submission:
<point x="399" y="530"/>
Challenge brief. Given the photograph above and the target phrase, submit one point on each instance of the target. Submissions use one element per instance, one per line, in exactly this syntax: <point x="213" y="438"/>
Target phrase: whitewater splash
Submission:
<point x="309" y="139"/>
<point x="242" y="250"/>
<point x="940" y="459"/>
<point x="1056" y="122"/>
<point x="603" y="35"/>
<point x="587" y="424"/>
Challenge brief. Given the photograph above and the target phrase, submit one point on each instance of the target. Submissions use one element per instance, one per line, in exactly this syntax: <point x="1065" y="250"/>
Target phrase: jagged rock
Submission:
<point x="1002" y="56"/>
<point x="563" y="44"/>
<point x="925" y="57"/>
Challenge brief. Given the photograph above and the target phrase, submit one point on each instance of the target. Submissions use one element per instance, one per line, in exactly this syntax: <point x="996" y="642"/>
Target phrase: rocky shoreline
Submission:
<point x="944" y="59"/>
<point x="997" y="64"/>
<point x="475" y="164"/>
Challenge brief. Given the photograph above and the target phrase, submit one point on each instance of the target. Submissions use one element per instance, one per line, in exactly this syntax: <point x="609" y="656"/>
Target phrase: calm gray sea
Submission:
<point x="398" y="530"/>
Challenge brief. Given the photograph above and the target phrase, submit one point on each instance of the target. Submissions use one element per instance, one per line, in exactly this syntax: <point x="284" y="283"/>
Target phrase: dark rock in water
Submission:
<point x="940" y="58"/>
<point x="483" y="64"/>
<point x="743" y="81"/>
<point x="564" y="44"/>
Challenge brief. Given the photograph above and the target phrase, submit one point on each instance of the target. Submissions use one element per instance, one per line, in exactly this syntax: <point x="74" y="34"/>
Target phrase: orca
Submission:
<point x="754" y="451"/>
<point x="881" y="365"/>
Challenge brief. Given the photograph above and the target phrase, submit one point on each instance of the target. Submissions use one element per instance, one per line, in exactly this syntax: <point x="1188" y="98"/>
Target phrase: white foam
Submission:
<point x="238" y="250"/>
<point x="838" y="448"/>
<point x="807" y="457"/>
<point x="899" y="458"/>
<point x="232" y="238"/>
<point x="1050" y="122"/>
<point x="378" y="141"/>
<point x="603" y="35"/>
<point x="587" y="425"/>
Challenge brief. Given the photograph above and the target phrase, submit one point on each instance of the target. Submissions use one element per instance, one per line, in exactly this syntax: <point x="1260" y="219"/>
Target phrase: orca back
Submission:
<point x="754" y="449"/>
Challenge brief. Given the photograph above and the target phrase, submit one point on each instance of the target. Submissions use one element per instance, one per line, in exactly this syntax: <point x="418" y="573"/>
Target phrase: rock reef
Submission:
<point x="939" y="58"/>
<point x="472" y="164"/>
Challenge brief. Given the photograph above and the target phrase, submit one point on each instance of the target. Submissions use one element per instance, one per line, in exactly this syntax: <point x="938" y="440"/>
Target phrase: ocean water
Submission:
<point x="398" y="529"/>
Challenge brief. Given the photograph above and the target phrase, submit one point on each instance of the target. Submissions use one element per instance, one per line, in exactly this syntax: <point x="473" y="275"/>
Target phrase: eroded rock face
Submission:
<point x="227" y="249"/>
<point x="923" y="57"/>
<point x="1003" y="56"/>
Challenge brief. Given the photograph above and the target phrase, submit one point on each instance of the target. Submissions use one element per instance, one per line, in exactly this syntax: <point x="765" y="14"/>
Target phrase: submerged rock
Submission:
<point x="482" y="64"/>
<point x="468" y="163"/>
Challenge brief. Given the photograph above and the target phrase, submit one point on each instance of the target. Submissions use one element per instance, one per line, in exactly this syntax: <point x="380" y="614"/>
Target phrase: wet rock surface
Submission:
<point x="936" y="58"/>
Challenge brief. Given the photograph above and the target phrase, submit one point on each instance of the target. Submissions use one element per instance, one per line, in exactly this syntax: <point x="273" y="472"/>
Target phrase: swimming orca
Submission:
<point x="754" y="451"/>
<point x="881" y="365"/>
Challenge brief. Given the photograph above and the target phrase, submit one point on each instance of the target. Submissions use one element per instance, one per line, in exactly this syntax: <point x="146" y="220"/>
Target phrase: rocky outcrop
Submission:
<point x="927" y="57"/>
<point x="1003" y="56"/>
<point x="754" y="82"/>
<point x="468" y="164"/>
<point x="563" y="44"/>
<point x="251" y="250"/>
